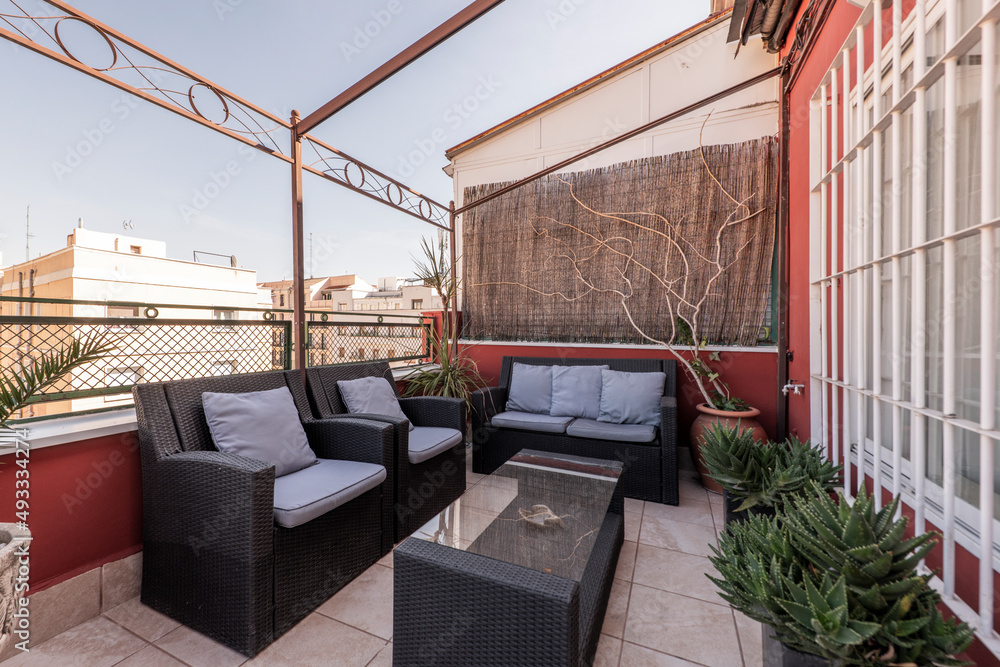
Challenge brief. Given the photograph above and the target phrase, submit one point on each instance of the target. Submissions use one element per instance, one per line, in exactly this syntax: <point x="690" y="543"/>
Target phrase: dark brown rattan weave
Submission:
<point x="651" y="468"/>
<point x="213" y="557"/>
<point x="458" y="608"/>
<point x="421" y="489"/>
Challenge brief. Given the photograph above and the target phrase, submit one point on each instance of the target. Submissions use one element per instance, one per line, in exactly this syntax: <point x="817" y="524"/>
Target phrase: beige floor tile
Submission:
<point x="633" y="522"/>
<point x="626" y="561"/>
<point x="614" y="618"/>
<point x="634" y="505"/>
<point x="120" y="581"/>
<point x="751" y="640"/>
<point x="386" y="560"/>
<point x="692" y="492"/>
<point x="472" y="477"/>
<point x="609" y="650"/>
<point x="365" y="603"/>
<point x="198" y="650"/>
<point x="676" y="535"/>
<point x="676" y="572"/>
<point x="96" y="643"/>
<point x="698" y="513"/>
<point x="719" y="515"/>
<point x="698" y="631"/>
<point x="639" y="656"/>
<point x="319" y="640"/>
<point x="140" y="619"/>
<point x="65" y="606"/>
<point x="150" y="657"/>
<point x="384" y="657"/>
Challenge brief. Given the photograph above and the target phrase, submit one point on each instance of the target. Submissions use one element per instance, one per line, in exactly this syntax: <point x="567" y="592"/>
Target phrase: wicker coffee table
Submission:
<point x="517" y="571"/>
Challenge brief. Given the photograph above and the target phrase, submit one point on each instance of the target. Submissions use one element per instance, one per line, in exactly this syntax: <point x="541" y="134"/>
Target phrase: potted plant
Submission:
<point x="763" y="477"/>
<point x="16" y="391"/>
<point x="837" y="582"/>
<point x="456" y="374"/>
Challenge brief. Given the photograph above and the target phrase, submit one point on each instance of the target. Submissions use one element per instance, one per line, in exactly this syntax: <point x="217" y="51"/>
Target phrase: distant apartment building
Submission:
<point x="97" y="266"/>
<point x="343" y="327"/>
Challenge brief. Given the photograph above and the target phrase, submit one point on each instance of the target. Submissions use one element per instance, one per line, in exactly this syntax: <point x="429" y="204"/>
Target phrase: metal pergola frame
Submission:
<point x="253" y="126"/>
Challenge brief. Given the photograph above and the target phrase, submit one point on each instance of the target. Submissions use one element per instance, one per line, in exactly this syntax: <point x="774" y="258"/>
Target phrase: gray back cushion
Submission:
<point x="262" y="425"/>
<point x="371" y="395"/>
<point x="631" y="398"/>
<point x="576" y="391"/>
<point x="530" y="389"/>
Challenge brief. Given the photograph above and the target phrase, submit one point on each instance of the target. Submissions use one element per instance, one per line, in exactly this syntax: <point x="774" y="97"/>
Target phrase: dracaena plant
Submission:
<point x="764" y="474"/>
<point x="18" y="388"/>
<point x="839" y="580"/>
<point x="456" y="374"/>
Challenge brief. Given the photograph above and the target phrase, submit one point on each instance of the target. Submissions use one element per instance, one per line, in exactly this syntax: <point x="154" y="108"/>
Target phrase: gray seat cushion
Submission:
<point x="311" y="492"/>
<point x="595" y="430"/>
<point x="371" y="395"/>
<point x="530" y="389"/>
<point x="426" y="442"/>
<point x="528" y="421"/>
<point x="576" y="391"/>
<point x="262" y="425"/>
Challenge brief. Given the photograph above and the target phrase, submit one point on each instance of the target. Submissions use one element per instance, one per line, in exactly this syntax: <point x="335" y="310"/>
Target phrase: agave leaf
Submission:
<point x="879" y="567"/>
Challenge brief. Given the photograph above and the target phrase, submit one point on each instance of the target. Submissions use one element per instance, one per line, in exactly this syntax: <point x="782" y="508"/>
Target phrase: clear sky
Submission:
<point x="74" y="147"/>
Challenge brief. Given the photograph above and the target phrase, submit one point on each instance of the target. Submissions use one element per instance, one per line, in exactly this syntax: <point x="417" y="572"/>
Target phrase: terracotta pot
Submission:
<point x="708" y="416"/>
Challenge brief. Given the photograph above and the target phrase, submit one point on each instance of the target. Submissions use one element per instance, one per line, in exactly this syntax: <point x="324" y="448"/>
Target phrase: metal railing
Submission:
<point x="201" y="341"/>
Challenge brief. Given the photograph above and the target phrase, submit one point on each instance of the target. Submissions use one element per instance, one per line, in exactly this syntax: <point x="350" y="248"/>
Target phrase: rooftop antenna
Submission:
<point x="311" y="265"/>
<point x="79" y="223"/>
<point x="127" y="225"/>
<point x="27" y="234"/>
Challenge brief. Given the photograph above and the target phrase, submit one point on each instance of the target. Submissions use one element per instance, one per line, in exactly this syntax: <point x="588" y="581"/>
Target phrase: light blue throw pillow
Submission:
<point x="371" y="395"/>
<point x="530" y="389"/>
<point x="576" y="391"/>
<point x="262" y="425"/>
<point x="631" y="398"/>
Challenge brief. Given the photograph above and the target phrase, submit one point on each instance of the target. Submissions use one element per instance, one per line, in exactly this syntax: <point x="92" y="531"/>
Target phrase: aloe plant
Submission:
<point x="767" y="474"/>
<point x="17" y="389"/>
<point x="839" y="580"/>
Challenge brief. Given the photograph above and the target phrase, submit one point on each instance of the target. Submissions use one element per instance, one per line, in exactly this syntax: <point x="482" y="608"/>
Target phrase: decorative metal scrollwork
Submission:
<point x="141" y="69"/>
<point x="350" y="172"/>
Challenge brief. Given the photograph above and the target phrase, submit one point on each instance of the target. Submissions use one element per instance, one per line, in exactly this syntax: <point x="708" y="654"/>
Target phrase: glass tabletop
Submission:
<point x="539" y="510"/>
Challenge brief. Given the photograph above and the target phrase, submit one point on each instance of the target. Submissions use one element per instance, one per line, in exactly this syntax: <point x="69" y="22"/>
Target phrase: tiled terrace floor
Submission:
<point x="663" y="611"/>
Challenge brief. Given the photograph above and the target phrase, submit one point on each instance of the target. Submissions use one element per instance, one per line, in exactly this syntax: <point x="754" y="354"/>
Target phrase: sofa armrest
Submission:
<point x="486" y="404"/>
<point x="208" y="500"/>
<point x="352" y="439"/>
<point x="668" y="445"/>
<point x="435" y="411"/>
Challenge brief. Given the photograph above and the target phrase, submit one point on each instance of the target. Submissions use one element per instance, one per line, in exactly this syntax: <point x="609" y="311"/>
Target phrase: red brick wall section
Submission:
<point x="85" y="505"/>
<point x="750" y="375"/>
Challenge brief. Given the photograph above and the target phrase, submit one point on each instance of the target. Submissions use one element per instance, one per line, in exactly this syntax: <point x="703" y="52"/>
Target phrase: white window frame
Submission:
<point x="838" y="403"/>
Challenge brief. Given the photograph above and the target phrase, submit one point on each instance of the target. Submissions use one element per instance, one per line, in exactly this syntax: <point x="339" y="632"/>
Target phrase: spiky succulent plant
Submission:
<point x="839" y="580"/>
<point x="769" y="474"/>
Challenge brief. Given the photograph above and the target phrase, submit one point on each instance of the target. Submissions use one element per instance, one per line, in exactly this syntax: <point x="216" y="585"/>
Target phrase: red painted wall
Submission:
<point x="750" y="375"/>
<point x="826" y="48"/>
<point x="85" y="505"/>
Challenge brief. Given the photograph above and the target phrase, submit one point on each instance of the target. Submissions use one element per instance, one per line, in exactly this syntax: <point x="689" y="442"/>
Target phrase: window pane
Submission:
<point x="933" y="328"/>
<point x="935" y="160"/>
<point x="969" y="139"/>
<point x="967" y="322"/>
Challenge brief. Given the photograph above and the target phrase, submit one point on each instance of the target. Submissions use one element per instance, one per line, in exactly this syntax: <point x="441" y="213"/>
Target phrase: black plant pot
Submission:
<point x="777" y="654"/>
<point x="730" y="503"/>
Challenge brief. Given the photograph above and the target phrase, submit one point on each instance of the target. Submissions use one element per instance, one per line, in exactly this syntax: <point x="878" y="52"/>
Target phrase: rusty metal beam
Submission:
<point x="631" y="134"/>
<point x="456" y="23"/>
<point x="298" y="254"/>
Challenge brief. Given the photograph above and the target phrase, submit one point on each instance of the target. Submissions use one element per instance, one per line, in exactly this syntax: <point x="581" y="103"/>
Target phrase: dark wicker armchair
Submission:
<point x="650" y="468"/>
<point x="214" y="557"/>
<point x="423" y="488"/>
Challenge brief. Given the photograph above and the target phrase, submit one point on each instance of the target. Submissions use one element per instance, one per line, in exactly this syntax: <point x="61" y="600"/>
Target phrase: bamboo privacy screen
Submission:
<point x="536" y="260"/>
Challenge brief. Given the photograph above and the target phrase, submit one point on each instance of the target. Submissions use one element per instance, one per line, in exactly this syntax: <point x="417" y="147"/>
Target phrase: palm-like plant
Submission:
<point x="456" y="375"/>
<point x="17" y="389"/>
